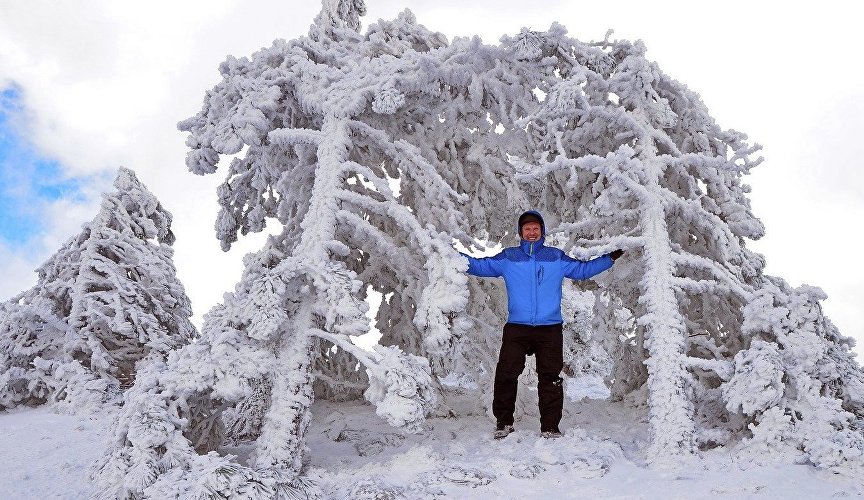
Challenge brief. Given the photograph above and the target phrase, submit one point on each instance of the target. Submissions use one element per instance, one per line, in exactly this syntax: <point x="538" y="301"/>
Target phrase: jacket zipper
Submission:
<point x="533" y="288"/>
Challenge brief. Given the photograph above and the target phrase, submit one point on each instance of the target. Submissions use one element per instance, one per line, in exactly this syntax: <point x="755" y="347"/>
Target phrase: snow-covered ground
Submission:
<point x="599" y="457"/>
<point x="45" y="454"/>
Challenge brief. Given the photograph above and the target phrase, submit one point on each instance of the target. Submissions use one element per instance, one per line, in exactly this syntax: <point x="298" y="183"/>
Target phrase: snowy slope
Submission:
<point x="356" y="455"/>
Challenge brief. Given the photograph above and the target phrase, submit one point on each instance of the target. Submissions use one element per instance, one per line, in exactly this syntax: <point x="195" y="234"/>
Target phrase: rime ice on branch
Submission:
<point x="106" y="300"/>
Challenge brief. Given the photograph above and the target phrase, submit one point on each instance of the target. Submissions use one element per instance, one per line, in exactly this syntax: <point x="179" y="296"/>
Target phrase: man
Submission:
<point x="533" y="274"/>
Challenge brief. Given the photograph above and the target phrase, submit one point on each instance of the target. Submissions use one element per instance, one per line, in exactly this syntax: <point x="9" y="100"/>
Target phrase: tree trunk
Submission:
<point x="671" y="411"/>
<point x="283" y="433"/>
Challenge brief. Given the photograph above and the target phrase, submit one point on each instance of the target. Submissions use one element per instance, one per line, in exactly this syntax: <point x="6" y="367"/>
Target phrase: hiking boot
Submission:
<point x="502" y="431"/>
<point x="551" y="434"/>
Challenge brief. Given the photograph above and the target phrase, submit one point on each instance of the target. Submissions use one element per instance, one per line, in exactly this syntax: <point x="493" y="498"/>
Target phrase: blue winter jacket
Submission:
<point x="533" y="274"/>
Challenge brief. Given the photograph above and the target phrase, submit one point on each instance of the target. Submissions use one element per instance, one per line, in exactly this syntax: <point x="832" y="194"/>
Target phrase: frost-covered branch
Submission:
<point x="723" y="369"/>
<point x="723" y="275"/>
<point x="293" y="136"/>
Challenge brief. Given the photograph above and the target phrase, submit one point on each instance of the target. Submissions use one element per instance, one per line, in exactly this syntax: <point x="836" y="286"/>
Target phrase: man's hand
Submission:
<point x="615" y="254"/>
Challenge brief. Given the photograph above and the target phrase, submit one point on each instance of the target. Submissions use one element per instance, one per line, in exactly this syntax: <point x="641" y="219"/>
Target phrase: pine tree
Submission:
<point x="106" y="300"/>
<point x="319" y="159"/>
<point x="633" y="156"/>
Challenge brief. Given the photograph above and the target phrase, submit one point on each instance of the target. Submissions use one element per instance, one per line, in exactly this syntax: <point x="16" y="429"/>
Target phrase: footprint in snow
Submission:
<point x="369" y="445"/>
<point x="589" y="467"/>
<point x="526" y="471"/>
<point x="375" y="490"/>
<point x="466" y="476"/>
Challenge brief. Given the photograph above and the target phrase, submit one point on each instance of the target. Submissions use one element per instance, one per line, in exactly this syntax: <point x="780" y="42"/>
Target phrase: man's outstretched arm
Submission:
<point x="582" y="270"/>
<point x="486" y="267"/>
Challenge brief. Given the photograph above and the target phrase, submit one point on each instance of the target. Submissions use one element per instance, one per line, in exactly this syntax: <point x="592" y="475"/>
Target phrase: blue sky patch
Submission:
<point x="28" y="179"/>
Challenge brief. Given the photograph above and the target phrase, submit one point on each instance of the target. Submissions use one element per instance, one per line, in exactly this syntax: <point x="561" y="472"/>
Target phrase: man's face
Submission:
<point x="531" y="231"/>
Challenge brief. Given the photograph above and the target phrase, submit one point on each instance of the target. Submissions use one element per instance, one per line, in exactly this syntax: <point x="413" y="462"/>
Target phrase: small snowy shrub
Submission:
<point x="792" y="377"/>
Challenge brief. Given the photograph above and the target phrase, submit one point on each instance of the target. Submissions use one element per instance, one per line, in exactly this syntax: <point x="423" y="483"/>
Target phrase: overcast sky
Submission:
<point x="87" y="86"/>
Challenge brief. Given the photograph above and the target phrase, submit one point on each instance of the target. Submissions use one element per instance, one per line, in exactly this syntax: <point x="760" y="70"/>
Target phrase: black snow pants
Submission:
<point x="545" y="342"/>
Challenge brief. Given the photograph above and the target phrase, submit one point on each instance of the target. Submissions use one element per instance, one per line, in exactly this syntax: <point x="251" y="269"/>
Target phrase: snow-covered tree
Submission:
<point x="106" y="300"/>
<point x="313" y="121"/>
<point x="634" y="158"/>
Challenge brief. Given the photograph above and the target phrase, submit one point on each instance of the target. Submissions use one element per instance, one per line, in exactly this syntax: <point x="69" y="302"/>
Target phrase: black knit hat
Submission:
<point x="526" y="218"/>
<point x="531" y="216"/>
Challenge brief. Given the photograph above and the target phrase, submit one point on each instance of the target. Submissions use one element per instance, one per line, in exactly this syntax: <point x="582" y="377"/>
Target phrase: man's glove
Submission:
<point x="615" y="254"/>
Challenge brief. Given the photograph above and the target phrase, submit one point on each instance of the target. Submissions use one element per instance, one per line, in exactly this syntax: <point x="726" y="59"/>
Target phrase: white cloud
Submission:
<point x="61" y="219"/>
<point x="17" y="271"/>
